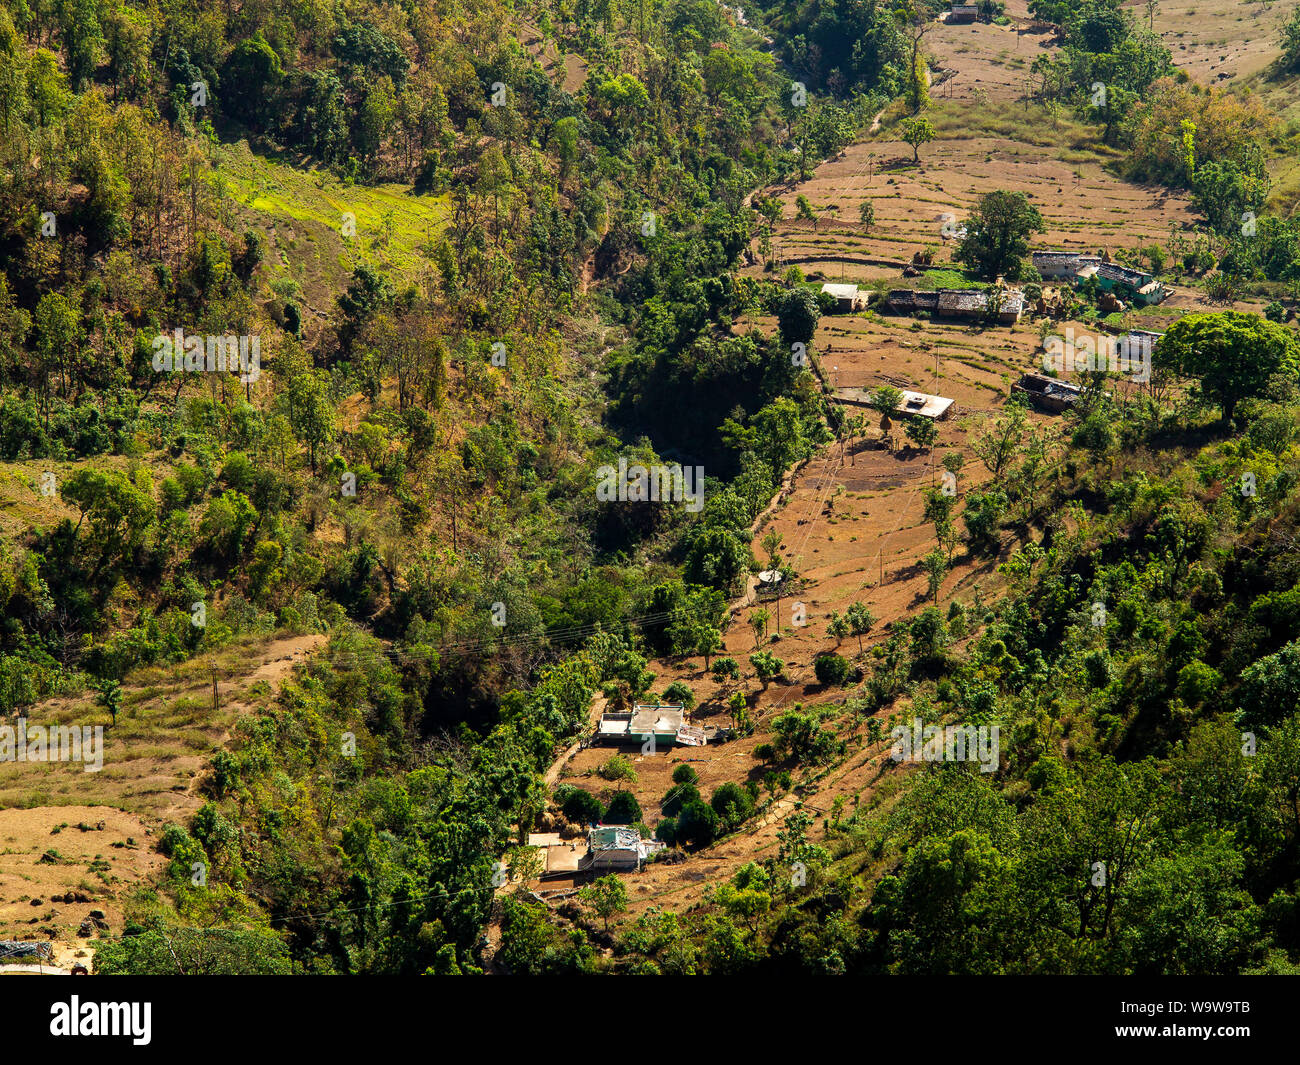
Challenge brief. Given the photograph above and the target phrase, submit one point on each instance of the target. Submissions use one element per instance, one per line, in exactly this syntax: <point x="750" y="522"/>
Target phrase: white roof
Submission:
<point x="841" y="292"/>
<point x="925" y="405"/>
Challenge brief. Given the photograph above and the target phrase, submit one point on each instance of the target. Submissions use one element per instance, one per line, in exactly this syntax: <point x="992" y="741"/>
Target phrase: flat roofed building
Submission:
<point x="917" y="404"/>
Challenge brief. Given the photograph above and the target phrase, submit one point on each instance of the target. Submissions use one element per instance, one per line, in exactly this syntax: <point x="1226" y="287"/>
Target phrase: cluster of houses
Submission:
<point x="971" y="304"/>
<point x="1135" y="286"/>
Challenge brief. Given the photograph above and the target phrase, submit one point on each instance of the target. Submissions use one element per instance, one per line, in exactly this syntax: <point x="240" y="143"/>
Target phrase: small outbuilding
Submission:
<point x="847" y="297"/>
<point x="914" y="404"/>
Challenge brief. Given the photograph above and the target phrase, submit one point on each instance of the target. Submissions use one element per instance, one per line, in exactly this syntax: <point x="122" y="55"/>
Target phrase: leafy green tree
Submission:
<point x="1270" y="689"/>
<point x="914" y="132"/>
<point x="797" y="313"/>
<point x="860" y="621"/>
<point x="581" y="807"/>
<point x="168" y="951"/>
<point x="1233" y="354"/>
<point x="623" y="809"/>
<point x="999" y="444"/>
<point x="996" y="240"/>
<point x="733" y="805"/>
<point x="1289" y="39"/>
<point x="837" y="627"/>
<point x="935" y="565"/>
<point x="766" y="665"/>
<point x="725" y="668"/>
<point x="983" y="516"/>
<point x="250" y="78"/>
<point x="923" y="432"/>
<point x="606" y="898"/>
<point x="312" y="412"/>
<point x="697" y="824"/>
<point x="885" y="400"/>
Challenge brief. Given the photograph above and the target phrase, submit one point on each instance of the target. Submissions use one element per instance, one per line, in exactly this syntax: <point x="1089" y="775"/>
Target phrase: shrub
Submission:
<point x="697" y="825"/>
<point x="581" y="807"/>
<point x="725" y="668"/>
<point x="623" y="809"/>
<point x="618" y="768"/>
<point x="733" y="804"/>
<point x="831" y="668"/>
<point x="685" y="774"/>
<point x="679" y="692"/>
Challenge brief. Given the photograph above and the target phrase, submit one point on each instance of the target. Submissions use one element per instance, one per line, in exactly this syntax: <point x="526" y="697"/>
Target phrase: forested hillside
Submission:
<point x="321" y="326"/>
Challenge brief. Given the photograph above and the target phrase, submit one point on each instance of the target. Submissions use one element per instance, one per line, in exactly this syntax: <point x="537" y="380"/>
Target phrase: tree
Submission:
<point x="109" y="697"/>
<point x="680" y="692"/>
<point x="860" y="621"/>
<point x="250" y="77"/>
<point x="999" y="444"/>
<point x="581" y="807"/>
<point x="885" y="400"/>
<point x="758" y="619"/>
<point x="1270" y="689"/>
<point x="312" y="412"/>
<point x="607" y="898"/>
<point x="708" y="640"/>
<point x="733" y="804"/>
<point x="983" y="515"/>
<point x="805" y="211"/>
<point x="772" y="542"/>
<point x="866" y="215"/>
<point x="697" y="824"/>
<point x="935" y="565"/>
<point x="1289" y="39"/>
<point x="797" y="314"/>
<point x="915" y="132"/>
<point x="996" y="234"/>
<point x="1232" y="353"/>
<point x="923" y="432"/>
<point x="163" y="951"/>
<point x="837" y="627"/>
<point x="766" y="665"/>
<point x="725" y="668"/>
<point x="623" y="809"/>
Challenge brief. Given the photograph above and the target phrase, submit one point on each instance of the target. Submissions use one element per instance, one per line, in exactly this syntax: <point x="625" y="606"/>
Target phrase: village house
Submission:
<point x="847" y="298"/>
<point x="963" y="13"/>
<point x="1136" y="286"/>
<point x="618" y="847"/>
<point x="913" y="404"/>
<point x="970" y="304"/>
<point x="1064" y="265"/>
<point x="665" y="723"/>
